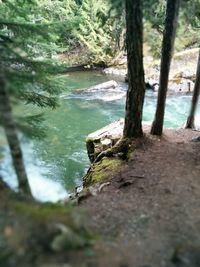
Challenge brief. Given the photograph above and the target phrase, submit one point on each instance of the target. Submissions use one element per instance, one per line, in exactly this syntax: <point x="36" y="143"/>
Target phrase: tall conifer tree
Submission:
<point x="167" y="50"/>
<point x="136" y="85"/>
<point x="195" y="98"/>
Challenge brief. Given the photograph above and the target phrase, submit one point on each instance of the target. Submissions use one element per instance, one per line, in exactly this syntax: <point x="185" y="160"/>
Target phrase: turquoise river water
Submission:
<point x="56" y="164"/>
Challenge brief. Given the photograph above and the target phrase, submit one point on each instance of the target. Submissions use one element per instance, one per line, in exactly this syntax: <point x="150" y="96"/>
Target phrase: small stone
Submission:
<point x="106" y="142"/>
<point x="8" y="231"/>
<point x="66" y="239"/>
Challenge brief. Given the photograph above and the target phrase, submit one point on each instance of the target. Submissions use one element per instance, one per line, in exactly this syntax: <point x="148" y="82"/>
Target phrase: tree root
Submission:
<point x="120" y="149"/>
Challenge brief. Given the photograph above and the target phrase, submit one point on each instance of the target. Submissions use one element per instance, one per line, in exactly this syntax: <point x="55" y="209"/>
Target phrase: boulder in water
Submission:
<point x="115" y="71"/>
<point x="110" y="85"/>
<point x="151" y="84"/>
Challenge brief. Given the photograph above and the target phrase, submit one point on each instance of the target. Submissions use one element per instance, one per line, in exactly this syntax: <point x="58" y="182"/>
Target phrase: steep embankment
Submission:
<point x="182" y="71"/>
<point x="149" y="213"/>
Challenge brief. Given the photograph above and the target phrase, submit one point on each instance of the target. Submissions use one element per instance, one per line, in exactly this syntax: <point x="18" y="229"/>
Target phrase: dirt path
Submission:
<point x="149" y="215"/>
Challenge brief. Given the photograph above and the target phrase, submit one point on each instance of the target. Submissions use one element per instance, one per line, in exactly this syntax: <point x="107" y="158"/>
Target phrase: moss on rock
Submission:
<point x="102" y="171"/>
<point x="43" y="212"/>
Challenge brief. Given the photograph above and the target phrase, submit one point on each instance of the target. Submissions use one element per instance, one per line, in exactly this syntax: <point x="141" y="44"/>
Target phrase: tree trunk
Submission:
<point x="136" y="85"/>
<point x="167" y="50"/>
<point x="195" y="98"/>
<point x="13" y="141"/>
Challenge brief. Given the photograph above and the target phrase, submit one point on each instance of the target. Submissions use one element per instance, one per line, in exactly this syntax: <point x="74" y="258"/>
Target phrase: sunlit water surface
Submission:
<point x="56" y="164"/>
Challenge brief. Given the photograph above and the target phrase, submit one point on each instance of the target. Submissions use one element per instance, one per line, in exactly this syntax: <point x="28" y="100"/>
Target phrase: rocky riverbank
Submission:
<point x="182" y="73"/>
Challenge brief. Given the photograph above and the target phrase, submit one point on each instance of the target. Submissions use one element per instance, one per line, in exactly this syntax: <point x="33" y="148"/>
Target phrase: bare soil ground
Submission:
<point x="149" y="215"/>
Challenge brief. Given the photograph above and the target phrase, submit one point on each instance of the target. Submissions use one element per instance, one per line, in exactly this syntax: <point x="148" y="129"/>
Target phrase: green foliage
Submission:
<point x="188" y="35"/>
<point x="90" y="26"/>
<point x="24" y="50"/>
<point x="95" y="31"/>
<point x="189" y="25"/>
<point x="64" y="16"/>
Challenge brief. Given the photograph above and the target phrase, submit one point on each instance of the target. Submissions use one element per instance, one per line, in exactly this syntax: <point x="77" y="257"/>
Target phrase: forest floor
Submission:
<point x="148" y="215"/>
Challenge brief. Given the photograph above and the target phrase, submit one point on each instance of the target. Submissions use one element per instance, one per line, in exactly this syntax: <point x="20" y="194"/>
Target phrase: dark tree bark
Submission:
<point x="167" y="50"/>
<point x="136" y="85"/>
<point x="195" y="98"/>
<point x="13" y="141"/>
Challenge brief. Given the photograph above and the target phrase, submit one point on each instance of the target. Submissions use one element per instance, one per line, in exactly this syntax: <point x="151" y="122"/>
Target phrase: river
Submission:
<point x="56" y="164"/>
